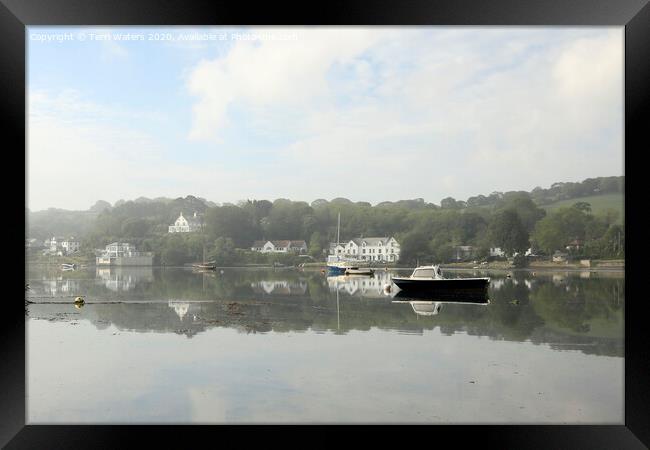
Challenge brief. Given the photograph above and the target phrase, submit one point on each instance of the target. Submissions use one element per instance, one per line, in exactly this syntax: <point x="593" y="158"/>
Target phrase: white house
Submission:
<point x="52" y="246"/>
<point x="119" y="249"/>
<point x="337" y="249"/>
<point x="184" y="225"/>
<point x="496" y="251"/>
<point x="463" y="252"/>
<point x="123" y="254"/>
<point x="284" y="246"/>
<point x="60" y="246"/>
<point x="70" y="245"/>
<point x="385" y="249"/>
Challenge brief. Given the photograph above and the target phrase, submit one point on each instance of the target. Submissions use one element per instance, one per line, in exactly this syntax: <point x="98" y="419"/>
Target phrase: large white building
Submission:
<point x="385" y="249"/>
<point x="280" y="246"/>
<point x="185" y="225"/>
<point x="123" y="254"/>
<point x="70" y="245"/>
<point x="60" y="246"/>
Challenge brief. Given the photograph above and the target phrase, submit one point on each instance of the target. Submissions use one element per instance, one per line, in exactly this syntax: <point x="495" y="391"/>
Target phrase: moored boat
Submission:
<point x="359" y="271"/>
<point x="337" y="266"/>
<point x="429" y="280"/>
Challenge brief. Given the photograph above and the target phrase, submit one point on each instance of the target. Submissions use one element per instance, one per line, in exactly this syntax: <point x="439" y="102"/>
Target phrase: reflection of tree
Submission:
<point x="521" y="308"/>
<point x="577" y="303"/>
<point x="510" y="309"/>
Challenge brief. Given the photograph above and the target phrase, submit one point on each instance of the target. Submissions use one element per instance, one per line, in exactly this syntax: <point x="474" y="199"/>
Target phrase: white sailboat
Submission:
<point x="339" y="265"/>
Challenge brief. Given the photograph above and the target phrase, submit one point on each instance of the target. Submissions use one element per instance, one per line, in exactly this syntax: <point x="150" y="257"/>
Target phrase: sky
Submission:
<point x="367" y="113"/>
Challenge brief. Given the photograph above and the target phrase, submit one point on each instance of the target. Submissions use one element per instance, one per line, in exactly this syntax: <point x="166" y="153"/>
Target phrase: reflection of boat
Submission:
<point x="449" y="296"/>
<point x="432" y="307"/>
<point x="429" y="280"/>
<point x="357" y="271"/>
<point x="426" y="308"/>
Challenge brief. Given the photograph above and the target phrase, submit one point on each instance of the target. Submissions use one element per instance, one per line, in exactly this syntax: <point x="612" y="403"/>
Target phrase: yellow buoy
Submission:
<point x="79" y="300"/>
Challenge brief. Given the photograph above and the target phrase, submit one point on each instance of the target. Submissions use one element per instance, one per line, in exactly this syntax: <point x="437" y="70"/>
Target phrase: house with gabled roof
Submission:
<point x="383" y="249"/>
<point x="574" y="245"/>
<point x="186" y="224"/>
<point x="282" y="246"/>
<point x="60" y="246"/>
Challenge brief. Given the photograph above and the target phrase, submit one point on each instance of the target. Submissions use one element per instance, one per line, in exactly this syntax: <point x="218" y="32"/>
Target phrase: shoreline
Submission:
<point x="550" y="267"/>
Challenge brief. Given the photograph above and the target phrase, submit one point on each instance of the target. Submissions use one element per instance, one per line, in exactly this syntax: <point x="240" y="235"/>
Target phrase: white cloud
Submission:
<point x="497" y="108"/>
<point x="366" y="113"/>
<point x="515" y="128"/>
<point x="267" y="73"/>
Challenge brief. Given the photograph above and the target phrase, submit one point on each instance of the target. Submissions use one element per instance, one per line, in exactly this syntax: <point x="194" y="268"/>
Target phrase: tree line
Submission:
<point x="426" y="232"/>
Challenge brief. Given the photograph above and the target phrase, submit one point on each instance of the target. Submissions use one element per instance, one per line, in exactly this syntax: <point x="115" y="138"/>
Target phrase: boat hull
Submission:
<point x="336" y="270"/>
<point x="359" y="272"/>
<point x="446" y="287"/>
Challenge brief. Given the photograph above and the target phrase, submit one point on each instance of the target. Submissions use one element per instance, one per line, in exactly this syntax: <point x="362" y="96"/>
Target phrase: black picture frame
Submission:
<point x="634" y="15"/>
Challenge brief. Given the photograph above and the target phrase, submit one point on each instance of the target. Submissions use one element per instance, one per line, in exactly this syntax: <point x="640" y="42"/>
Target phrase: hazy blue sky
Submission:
<point x="370" y="114"/>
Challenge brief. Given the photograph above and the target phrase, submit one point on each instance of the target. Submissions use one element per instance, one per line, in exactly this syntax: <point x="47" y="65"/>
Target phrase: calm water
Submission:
<point x="264" y="346"/>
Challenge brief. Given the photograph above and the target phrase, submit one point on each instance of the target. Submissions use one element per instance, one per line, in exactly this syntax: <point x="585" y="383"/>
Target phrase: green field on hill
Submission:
<point x="599" y="204"/>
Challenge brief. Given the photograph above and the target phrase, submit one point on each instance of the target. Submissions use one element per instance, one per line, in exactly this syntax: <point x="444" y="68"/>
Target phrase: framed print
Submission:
<point x="383" y="215"/>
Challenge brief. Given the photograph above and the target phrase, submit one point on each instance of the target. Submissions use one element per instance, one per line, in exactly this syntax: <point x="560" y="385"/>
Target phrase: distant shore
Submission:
<point x="595" y="266"/>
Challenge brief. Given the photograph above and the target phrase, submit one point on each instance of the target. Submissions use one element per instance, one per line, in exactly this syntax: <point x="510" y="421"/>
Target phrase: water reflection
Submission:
<point x="426" y="308"/>
<point x="122" y="278"/>
<point x="362" y="286"/>
<point x="565" y="309"/>
<point x="180" y="308"/>
<point x="433" y="307"/>
<point x="280" y="287"/>
<point x="174" y="345"/>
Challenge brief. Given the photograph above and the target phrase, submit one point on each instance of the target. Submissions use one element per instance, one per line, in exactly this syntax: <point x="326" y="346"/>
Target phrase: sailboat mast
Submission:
<point x="338" y="231"/>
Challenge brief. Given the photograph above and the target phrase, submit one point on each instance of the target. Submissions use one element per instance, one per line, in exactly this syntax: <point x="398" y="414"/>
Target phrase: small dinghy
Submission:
<point x="358" y="271"/>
